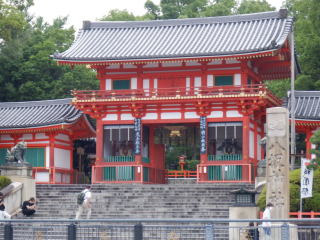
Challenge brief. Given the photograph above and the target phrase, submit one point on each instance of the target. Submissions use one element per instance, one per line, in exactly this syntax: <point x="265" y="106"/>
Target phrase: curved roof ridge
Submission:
<point x="36" y="103"/>
<point x="184" y="21"/>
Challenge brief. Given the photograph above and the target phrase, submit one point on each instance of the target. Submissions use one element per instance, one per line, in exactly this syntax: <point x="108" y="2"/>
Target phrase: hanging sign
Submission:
<point x="203" y="135"/>
<point x="137" y="136"/>
<point x="306" y="179"/>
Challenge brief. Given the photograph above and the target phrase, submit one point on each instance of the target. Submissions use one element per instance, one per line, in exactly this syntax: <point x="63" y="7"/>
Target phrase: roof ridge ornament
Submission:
<point x="86" y="25"/>
<point x="283" y="13"/>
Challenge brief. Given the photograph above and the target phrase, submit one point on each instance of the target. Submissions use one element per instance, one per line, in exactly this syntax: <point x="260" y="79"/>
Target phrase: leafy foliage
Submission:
<point x="315" y="139"/>
<point x="4" y="181"/>
<point x="309" y="204"/>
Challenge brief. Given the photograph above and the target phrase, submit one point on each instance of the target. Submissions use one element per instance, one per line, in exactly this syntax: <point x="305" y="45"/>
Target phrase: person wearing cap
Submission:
<point x="87" y="203"/>
<point x="267" y="225"/>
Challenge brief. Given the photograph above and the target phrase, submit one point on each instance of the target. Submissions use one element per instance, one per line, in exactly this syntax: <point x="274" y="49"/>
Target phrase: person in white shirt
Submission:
<point x="87" y="203"/>
<point x="267" y="225"/>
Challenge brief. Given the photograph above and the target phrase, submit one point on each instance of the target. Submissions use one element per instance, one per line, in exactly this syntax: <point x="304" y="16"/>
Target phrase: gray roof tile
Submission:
<point x="32" y="114"/>
<point x="307" y="105"/>
<point x="179" y="38"/>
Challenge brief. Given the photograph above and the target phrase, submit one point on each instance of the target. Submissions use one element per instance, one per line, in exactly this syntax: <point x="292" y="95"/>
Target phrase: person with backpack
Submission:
<point x="84" y="201"/>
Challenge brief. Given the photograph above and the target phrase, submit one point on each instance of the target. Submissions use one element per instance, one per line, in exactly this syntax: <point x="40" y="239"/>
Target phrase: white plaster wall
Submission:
<point x="251" y="144"/>
<point x="229" y="61"/>
<point x="129" y="66"/>
<point x="42" y="177"/>
<point x="216" y="114"/>
<point x="237" y="79"/>
<point x="215" y="62"/>
<point x="197" y="82"/>
<point x="5" y="138"/>
<point x="233" y="113"/>
<point x="172" y="64"/>
<point x="62" y="158"/>
<point x="150" y="116"/>
<point x="155" y="83"/>
<point x="259" y="148"/>
<point x="111" y="117"/>
<point x="191" y="115"/>
<point x="133" y="83"/>
<point x="188" y="83"/>
<point x="63" y="137"/>
<point x="47" y="160"/>
<point x="114" y="66"/>
<point x="26" y="137"/>
<point x="108" y="84"/>
<point x="171" y="115"/>
<point x="151" y="65"/>
<point x="210" y="80"/>
<point x="41" y="136"/>
<point x="126" y="116"/>
<point x="193" y="63"/>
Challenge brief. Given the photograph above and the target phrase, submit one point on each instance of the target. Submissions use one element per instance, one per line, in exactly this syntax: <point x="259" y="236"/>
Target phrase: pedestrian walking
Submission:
<point x="84" y="201"/>
<point x="267" y="225"/>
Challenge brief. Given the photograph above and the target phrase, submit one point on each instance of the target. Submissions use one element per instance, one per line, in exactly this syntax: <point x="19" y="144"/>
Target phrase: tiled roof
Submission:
<point x="16" y="115"/>
<point x="307" y="105"/>
<point x="179" y="38"/>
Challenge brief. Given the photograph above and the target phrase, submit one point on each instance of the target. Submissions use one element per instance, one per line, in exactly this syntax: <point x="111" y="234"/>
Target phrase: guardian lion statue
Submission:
<point x="16" y="154"/>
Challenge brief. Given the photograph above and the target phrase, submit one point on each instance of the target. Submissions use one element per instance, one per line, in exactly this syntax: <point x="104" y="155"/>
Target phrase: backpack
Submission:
<point x="80" y="197"/>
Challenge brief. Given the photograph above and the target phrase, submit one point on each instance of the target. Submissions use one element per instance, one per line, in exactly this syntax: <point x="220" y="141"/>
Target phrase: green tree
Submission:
<point x="252" y="6"/>
<point x="307" y="37"/>
<point x="309" y="204"/>
<point x="279" y="87"/>
<point x="119" y="15"/>
<point x="29" y="73"/>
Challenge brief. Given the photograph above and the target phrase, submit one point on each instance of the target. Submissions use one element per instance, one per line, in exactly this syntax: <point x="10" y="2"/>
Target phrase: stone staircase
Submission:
<point x="120" y="201"/>
<point x="134" y="201"/>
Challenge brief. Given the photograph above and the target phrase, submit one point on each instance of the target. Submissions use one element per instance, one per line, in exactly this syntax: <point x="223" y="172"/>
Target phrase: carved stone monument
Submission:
<point x="18" y="170"/>
<point x="277" y="172"/>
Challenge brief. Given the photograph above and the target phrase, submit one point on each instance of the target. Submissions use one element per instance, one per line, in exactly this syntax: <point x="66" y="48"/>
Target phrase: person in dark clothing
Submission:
<point x="253" y="232"/>
<point x="29" y="207"/>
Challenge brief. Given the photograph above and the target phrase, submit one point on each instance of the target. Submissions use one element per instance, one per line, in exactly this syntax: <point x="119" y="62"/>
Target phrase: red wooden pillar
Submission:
<point x="308" y="143"/>
<point x="245" y="138"/>
<point x="99" y="153"/>
<point x="51" y="162"/>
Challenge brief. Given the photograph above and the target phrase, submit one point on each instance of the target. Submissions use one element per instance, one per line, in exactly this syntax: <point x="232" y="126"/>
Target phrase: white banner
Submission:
<point x="306" y="179"/>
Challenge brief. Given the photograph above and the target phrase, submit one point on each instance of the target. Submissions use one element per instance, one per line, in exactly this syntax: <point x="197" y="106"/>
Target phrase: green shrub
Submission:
<point x="309" y="204"/>
<point x="192" y="165"/>
<point x="4" y="181"/>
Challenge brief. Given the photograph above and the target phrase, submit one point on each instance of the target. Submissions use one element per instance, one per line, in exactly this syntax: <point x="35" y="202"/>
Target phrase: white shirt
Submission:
<point x="266" y="215"/>
<point x="87" y="196"/>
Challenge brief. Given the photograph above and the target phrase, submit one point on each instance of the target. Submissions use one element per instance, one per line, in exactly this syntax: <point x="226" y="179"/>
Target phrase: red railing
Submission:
<point x="181" y="174"/>
<point x="133" y="173"/>
<point x="60" y="175"/>
<point x="300" y="214"/>
<point x="228" y="173"/>
<point x="181" y="92"/>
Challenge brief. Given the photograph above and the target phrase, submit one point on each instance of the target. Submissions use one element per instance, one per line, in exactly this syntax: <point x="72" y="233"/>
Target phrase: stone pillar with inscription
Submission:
<point x="277" y="165"/>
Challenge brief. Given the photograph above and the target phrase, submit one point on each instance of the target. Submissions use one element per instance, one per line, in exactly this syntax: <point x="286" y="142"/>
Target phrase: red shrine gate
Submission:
<point x="134" y="151"/>
<point x="160" y="78"/>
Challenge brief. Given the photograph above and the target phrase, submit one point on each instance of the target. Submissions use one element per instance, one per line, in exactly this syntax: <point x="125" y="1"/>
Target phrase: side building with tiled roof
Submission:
<point x="178" y="92"/>
<point x="49" y="128"/>
<point x="306" y="113"/>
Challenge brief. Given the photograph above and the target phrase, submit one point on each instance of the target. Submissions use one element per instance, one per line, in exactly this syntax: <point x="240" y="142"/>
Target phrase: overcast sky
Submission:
<point x="79" y="10"/>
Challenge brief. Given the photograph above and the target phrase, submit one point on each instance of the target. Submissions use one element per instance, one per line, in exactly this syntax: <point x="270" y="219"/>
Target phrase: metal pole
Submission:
<point x="293" y="103"/>
<point x="138" y="232"/>
<point x="72" y="231"/>
<point x="8" y="231"/>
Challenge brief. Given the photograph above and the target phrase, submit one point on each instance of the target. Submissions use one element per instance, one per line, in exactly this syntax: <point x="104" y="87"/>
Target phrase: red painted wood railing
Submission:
<point x="300" y="214"/>
<point x="131" y="94"/>
<point x="181" y="174"/>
